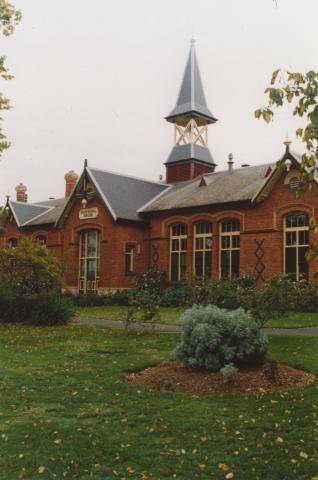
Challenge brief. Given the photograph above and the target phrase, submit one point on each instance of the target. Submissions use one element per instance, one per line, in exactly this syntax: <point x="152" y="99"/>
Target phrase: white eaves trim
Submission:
<point x="103" y="196"/>
<point x="13" y="213"/>
<point x="47" y="209"/>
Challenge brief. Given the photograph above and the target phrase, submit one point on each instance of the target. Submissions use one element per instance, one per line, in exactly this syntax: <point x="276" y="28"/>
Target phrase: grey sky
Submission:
<point x="94" y="79"/>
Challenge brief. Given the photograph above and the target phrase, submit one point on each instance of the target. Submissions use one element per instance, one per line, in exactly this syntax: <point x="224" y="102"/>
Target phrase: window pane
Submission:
<point x="183" y="265"/>
<point x="235" y="241"/>
<point x="303" y="238"/>
<point x="208" y="264"/>
<point x="303" y="264"/>
<point x="91" y="269"/>
<point x="290" y="262"/>
<point x="174" y="267"/>
<point x="291" y="238"/>
<point x="297" y="220"/>
<point x="303" y="220"/>
<point x="204" y="227"/>
<point x="208" y="243"/>
<point x="235" y="263"/>
<point x="230" y="226"/>
<point x="225" y="242"/>
<point x="184" y="244"/>
<point x="92" y="243"/>
<point x="199" y="243"/>
<point x="225" y="263"/>
<point x="178" y="229"/>
<point x="199" y="264"/>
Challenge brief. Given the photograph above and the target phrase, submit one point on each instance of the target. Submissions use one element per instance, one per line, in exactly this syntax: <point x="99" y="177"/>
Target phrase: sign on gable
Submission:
<point x="85" y="213"/>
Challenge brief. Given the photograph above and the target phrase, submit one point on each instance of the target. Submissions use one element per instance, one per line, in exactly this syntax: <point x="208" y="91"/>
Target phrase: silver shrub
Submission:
<point x="212" y="337"/>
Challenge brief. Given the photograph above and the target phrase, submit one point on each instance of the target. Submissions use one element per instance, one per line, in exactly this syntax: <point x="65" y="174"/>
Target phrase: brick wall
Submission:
<point x="186" y="171"/>
<point x="263" y="221"/>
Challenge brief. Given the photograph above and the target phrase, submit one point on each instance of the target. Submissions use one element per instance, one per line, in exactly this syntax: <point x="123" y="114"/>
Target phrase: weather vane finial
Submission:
<point x="287" y="140"/>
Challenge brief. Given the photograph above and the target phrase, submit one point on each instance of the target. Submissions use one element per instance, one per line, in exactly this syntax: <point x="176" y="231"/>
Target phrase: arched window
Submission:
<point x="41" y="239"/>
<point x="296" y="245"/>
<point x="89" y="260"/>
<point x="230" y="248"/>
<point x="178" y="252"/>
<point x="13" y="242"/>
<point x="203" y="250"/>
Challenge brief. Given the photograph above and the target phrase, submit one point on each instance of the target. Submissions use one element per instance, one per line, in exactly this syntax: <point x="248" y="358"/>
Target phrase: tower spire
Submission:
<point x="191" y="99"/>
<point x="191" y="117"/>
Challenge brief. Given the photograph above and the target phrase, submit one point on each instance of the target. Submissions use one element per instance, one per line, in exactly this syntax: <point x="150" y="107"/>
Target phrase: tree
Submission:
<point x="300" y="90"/>
<point x="29" y="268"/>
<point x="9" y="18"/>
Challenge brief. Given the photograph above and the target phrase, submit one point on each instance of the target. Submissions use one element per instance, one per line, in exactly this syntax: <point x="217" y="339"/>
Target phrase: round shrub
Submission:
<point x="46" y="309"/>
<point x="212" y="338"/>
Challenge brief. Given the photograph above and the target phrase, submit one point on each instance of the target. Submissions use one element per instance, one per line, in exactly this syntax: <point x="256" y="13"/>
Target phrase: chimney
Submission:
<point x="70" y="182"/>
<point x="21" y="193"/>
<point x="230" y="163"/>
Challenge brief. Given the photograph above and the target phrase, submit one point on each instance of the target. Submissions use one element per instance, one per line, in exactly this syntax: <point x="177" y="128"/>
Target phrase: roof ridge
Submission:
<point x="127" y="176"/>
<point x="29" y="204"/>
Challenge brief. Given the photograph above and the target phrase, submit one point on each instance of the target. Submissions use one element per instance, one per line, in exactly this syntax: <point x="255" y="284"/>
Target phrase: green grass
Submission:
<point x="66" y="407"/>
<point x="114" y="312"/>
<point x="172" y="316"/>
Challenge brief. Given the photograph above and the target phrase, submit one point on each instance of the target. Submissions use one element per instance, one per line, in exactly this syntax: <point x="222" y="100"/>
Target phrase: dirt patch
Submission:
<point x="173" y="377"/>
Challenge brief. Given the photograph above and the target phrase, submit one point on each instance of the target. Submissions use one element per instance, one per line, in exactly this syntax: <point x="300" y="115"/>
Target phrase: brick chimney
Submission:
<point x="21" y="193"/>
<point x="70" y="182"/>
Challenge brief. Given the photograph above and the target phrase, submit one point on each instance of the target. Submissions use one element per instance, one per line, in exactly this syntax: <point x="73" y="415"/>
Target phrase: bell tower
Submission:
<point x="191" y="116"/>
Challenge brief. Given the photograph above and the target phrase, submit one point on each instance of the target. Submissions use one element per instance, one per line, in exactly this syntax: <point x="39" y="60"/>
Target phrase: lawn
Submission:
<point x="67" y="412"/>
<point x="172" y="316"/>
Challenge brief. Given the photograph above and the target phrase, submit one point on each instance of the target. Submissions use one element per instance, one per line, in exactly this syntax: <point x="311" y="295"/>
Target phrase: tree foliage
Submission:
<point x="300" y="90"/>
<point x="3" y="218"/>
<point x="29" y="268"/>
<point x="9" y="18"/>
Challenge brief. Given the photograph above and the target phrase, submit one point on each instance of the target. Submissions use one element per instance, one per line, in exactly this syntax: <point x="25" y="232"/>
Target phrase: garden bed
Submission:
<point x="173" y="377"/>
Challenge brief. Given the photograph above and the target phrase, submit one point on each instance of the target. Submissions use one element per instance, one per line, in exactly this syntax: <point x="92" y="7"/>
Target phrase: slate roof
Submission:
<point x="191" y="99"/>
<point x="221" y="187"/>
<point x="51" y="216"/>
<point x="39" y="213"/>
<point x="124" y="195"/>
<point x="190" y="151"/>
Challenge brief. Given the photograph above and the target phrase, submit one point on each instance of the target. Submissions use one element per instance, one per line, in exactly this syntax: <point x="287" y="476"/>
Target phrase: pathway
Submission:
<point x="161" y="327"/>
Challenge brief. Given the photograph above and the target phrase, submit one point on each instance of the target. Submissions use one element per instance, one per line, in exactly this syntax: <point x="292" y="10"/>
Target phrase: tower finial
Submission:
<point x="192" y="41"/>
<point x="85" y="163"/>
<point x="287" y="142"/>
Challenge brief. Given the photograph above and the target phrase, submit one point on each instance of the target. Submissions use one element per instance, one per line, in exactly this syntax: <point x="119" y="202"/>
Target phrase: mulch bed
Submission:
<point x="173" y="377"/>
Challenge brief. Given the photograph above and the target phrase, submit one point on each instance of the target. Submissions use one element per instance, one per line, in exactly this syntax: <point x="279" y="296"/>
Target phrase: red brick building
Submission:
<point x="199" y="222"/>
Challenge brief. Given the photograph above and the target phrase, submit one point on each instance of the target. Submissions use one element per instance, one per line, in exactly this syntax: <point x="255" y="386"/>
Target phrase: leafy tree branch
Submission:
<point x="9" y="19"/>
<point x="301" y="91"/>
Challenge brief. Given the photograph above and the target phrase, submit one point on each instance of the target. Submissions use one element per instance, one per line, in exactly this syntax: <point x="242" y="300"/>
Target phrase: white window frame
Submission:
<point x="204" y="236"/>
<point x="297" y="245"/>
<point x="84" y="284"/>
<point x="179" y="239"/>
<point x="130" y="250"/>
<point x="231" y="248"/>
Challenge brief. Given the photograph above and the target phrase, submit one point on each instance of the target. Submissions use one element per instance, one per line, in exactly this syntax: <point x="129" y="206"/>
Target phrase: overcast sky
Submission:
<point x="94" y="79"/>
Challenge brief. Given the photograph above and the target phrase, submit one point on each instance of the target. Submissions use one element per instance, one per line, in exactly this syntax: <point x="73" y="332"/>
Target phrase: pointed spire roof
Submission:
<point x="191" y="100"/>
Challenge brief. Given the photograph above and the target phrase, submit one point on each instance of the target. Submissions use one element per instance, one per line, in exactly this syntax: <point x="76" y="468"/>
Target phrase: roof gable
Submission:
<point x="124" y="195"/>
<point x="25" y="212"/>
